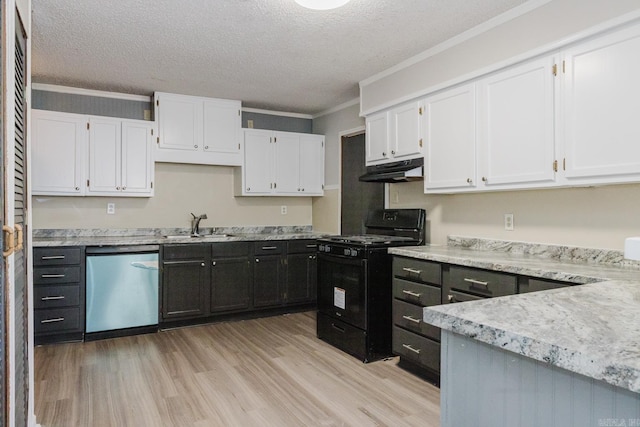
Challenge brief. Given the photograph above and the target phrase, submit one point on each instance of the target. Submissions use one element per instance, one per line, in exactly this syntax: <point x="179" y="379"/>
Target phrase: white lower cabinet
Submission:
<point x="74" y="154"/>
<point x="58" y="151"/>
<point x="281" y="164"/>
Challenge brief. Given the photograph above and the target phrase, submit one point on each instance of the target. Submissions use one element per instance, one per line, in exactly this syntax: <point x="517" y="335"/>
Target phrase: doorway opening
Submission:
<point x="357" y="198"/>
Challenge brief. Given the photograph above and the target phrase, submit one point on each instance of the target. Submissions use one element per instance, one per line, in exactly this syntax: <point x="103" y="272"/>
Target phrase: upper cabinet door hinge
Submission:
<point x="554" y="69"/>
<point x="158" y="140"/>
<point x="157" y="102"/>
<point x="555" y="166"/>
<point x="87" y="183"/>
<point x="564" y="164"/>
<point x="151" y="131"/>
<point x="238" y="112"/>
<point x="420" y="142"/>
<point x="564" y="68"/>
<point x="420" y="110"/>
<point x="87" y="125"/>
<point x="151" y="184"/>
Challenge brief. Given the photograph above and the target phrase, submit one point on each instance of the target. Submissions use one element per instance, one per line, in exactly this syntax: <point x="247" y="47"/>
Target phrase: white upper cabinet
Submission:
<point x="58" y="152"/>
<point x="120" y="157"/>
<point x="377" y="138"/>
<point x="405" y="121"/>
<point x="312" y="164"/>
<point x="450" y="139"/>
<point x="601" y="121"/>
<point x="198" y="130"/>
<point x="516" y="124"/>
<point x="74" y="154"/>
<point x="281" y="164"/>
<point x="394" y="135"/>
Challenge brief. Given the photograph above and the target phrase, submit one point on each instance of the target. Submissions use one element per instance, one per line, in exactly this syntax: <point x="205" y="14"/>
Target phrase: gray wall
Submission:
<point x="92" y="105"/>
<point x="281" y="123"/>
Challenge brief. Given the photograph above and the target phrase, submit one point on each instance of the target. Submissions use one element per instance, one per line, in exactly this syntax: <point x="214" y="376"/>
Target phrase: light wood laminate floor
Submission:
<point x="263" y="372"/>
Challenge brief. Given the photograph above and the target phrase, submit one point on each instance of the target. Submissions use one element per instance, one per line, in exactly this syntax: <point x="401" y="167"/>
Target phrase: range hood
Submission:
<point x="404" y="171"/>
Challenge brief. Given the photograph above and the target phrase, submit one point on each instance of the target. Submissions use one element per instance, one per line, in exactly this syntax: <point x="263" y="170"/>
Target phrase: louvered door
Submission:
<point x="21" y="295"/>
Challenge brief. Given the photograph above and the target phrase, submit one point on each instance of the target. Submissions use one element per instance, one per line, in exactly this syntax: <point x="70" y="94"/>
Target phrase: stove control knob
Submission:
<point x="347" y="252"/>
<point x="321" y="248"/>
<point x="354" y="252"/>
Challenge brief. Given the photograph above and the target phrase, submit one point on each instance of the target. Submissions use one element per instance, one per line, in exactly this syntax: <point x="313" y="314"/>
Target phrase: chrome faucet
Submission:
<point x="195" y="224"/>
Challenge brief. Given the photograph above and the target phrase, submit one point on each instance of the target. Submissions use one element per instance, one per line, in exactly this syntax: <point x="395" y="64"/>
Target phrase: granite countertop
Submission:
<point x="589" y="329"/>
<point x="156" y="236"/>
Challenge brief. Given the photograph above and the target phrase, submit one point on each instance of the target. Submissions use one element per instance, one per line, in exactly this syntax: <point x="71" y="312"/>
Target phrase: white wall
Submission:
<point x="179" y="190"/>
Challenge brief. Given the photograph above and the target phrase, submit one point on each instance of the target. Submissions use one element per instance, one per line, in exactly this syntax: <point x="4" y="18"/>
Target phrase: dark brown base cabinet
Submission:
<point x="302" y="271"/>
<point x="59" y="294"/>
<point x="202" y="281"/>
<point x="230" y="277"/>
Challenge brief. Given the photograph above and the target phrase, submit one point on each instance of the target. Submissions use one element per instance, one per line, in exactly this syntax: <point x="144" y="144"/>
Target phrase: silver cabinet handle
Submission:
<point x="52" y="257"/>
<point x="52" y="276"/>
<point x="408" y="347"/>
<point x="257" y="260"/>
<point x="52" y="298"/>
<point x="269" y="248"/>
<point x="213" y="263"/>
<point x="58" y="319"/>
<point x="202" y="264"/>
<point x="411" y="319"/>
<point x="411" y="270"/>
<point x="477" y="282"/>
<point x="412" y="294"/>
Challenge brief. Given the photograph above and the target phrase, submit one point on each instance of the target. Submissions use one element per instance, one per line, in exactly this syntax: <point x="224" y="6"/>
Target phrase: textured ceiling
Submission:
<point x="270" y="54"/>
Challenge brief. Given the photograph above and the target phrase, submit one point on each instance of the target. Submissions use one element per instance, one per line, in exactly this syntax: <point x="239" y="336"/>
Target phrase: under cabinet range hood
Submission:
<point x="403" y="171"/>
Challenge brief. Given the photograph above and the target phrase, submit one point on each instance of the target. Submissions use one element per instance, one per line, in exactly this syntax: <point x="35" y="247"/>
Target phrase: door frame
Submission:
<point x="360" y="130"/>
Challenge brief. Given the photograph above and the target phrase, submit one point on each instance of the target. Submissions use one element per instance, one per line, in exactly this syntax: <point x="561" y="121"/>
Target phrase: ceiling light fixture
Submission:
<point x="322" y="4"/>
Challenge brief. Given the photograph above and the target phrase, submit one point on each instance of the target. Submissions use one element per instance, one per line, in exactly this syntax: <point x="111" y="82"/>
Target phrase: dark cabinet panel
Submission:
<point x="268" y="280"/>
<point x="184" y="289"/>
<point x="230" y="280"/>
<point x="302" y="278"/>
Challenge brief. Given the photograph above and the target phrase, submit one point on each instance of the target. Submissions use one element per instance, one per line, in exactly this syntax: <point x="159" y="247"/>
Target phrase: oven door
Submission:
<point x="342" y="288"/>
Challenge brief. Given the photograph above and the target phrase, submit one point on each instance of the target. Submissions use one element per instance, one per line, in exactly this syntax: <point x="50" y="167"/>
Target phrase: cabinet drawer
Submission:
<point x="416" y="348"/>
<point x="56" y="256"/>
<point x="57" y="320"/>
<point x="184" y="251"/>
<point x="454" y="296"/>
<point x="416" y="293"/>
<point x="417" y="270"/>
<point x="409" y="316"/>
<point x="55" y="275"/>
<point x="302" y="246"/>
<point x="342" y="335"/>
<point x="527" y="284"/>
<point x="56" y="296"/>
<point x="230" y="249"/>
<point x="481" y="282"/>
<point x="269" y="247"/>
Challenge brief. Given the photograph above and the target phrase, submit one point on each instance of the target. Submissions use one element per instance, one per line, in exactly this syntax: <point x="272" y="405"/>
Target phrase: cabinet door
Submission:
<point x="517" y="125"/>
<point x="230" y="279"/>
<point x="104" y="155"/>
<point x="377" y="138"/>
<point x="222" y="126"/>
<point x="267" y="278"/>
<point x="450" y="132"/>
<point x="287" y="164"/>
<point x="405" y="131"/>
<point x="301" y="278"/>
<point x="57" y="154"/>
<point x="137" y="160"/>
<point x="184" y="286"/>
<point x="601" y="92"/>
<point x="258" y="162"/>
<point x="179" y="121"/>
<point x="312" y="164"/>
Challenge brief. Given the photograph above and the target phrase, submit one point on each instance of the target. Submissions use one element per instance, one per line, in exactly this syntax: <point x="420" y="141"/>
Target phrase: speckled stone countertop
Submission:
<point x="155" y="236"/>
<point x="591" y="329"/>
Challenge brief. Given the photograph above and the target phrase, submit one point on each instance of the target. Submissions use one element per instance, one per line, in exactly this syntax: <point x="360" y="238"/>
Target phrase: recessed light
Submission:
<point x="322" y="4"/>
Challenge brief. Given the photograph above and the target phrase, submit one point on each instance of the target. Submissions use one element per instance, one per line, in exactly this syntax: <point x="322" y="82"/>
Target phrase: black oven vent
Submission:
<point x="403" y="171"/>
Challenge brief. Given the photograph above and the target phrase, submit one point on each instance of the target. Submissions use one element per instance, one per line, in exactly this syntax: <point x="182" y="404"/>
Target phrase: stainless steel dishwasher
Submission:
<point x="122" y="291"/>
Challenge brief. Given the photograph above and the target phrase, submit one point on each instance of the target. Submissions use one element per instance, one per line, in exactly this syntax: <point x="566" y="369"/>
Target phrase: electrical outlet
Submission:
<point x="508" y="221"/>
<point x="250" y="124"/>
<point x="283" y="210"/>
<point x="111" y="208"/>
<point x="147" y="115"/>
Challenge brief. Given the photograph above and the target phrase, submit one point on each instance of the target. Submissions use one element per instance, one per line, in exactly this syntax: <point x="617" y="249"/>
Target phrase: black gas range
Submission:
<point x="354" y="282"/>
